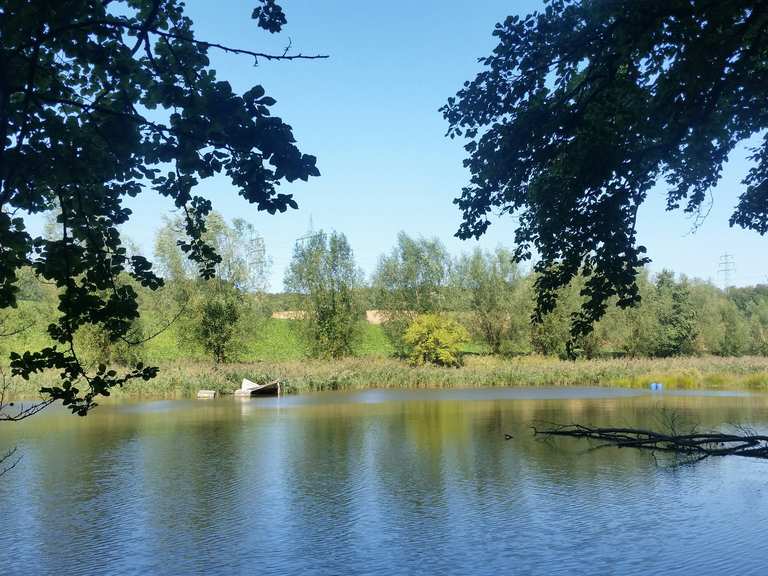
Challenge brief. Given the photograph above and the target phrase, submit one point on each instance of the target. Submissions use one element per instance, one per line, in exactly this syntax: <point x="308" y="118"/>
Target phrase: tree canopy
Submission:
<point x="106" y="99"/>
<point x="323" y="274"/>
<point x="585" y="106"/>
<point x="411" y="279"/>
<point x="215" y="314"/>
<point x="491" y="286"/>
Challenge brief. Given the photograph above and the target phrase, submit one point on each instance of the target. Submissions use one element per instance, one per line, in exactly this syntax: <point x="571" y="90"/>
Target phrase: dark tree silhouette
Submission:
<point x="692" y="444"/>
<point x="106" y="99"/>
<point x="585" y="106"/>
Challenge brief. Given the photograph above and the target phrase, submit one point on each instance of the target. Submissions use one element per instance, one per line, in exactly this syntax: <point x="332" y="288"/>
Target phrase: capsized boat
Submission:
<point x="249" y="388"/>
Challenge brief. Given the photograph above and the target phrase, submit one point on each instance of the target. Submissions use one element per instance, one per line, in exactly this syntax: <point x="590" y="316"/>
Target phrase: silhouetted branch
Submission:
<point x="22" y="411"/>
<point x="158" y="332"/>
<point x="13" y="412"/>
<point x="16" y="331"/>
<point x="229" y="49"/>
<point x="8" y="461"/>
<point x="142" y="31"/>
<point x="701" y="445"/>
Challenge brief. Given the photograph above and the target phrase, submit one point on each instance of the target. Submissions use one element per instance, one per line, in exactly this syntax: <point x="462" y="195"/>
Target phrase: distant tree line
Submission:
<point x="486" y="294"/>
<point x="433" y="306"/>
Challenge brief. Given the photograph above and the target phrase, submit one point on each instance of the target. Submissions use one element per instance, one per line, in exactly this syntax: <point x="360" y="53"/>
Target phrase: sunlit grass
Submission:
<point x="180" y="379"/>
<point x="277" y="351"/>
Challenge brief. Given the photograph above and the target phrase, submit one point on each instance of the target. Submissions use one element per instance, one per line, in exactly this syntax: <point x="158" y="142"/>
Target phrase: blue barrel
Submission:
<point x="656" y="386"/>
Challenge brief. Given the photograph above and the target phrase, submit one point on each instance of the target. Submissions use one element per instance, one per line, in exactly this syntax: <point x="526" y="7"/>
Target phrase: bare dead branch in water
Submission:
<point x="696" y="445"/>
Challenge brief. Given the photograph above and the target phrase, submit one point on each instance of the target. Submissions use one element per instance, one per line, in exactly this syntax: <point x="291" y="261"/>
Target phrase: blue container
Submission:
<point x="656" y="386"/>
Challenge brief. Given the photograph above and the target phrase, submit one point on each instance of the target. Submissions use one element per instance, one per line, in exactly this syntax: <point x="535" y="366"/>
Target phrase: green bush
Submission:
<point x="217" y="315"/>
<point x="434" y="339"/>
<point x="394" y="327"/>
<point x="96" y="347"/>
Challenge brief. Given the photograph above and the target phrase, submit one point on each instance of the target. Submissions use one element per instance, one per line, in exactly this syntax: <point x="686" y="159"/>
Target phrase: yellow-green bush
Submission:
<point x="434" y="339"/>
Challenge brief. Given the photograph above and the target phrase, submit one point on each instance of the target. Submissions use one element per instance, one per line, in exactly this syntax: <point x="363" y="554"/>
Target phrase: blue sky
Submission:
<point x="369" y="113"/>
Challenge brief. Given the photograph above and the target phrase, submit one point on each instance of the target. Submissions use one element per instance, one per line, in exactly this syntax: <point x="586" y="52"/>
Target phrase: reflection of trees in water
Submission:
<point x="421" y="444"/>
<point x="121" y="475"/>
<point x="564" y="461"/>
<point x="325" y="485"/>
<point x="347" y="479"/>
<point x="191" y="476"/>
<point x="73" y="483"/>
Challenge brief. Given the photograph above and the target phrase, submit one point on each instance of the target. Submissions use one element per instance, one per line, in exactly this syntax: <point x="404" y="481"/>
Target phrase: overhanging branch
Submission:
<point x="141" y="30"/>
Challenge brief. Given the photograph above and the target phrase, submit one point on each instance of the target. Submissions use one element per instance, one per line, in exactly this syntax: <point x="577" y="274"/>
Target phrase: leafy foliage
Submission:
<point x="493" y="288"/>
<point x="435" y="339"/>
<point x="216" y="312"/>
<point x="583" y="107"/>
<point x="103" y="100"/>
<point x="215" y="319"/>
<point x="323" y="274"/>
<point x="411" y="280"/>
<point x="735" y="340"/>
<point x="241" y="253"/>
<point x="550" y="335"/>
<point x="224" y="323"/>
<point x="95" y="346"/>
<point x="676" y="317"/>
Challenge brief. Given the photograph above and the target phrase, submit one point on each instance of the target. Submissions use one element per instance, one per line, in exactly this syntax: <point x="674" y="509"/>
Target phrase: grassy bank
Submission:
<point x="181" y="379"/>
<point x="279" y="352"/>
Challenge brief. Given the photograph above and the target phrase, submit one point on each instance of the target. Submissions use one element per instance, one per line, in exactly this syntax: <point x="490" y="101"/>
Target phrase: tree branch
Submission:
<point x="694" y="444"/>
<point x="21" y="412"/>
<point x="141" y="30"/>
<point x="5" y="468"/>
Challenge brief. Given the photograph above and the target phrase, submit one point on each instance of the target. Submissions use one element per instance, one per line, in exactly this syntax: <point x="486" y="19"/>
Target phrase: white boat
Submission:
<point x="249" y="388"/>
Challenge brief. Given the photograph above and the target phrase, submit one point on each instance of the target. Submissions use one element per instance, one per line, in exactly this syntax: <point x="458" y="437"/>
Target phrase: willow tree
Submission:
<point x="101" y="100"/>
<point x="585" y="106"/>
<point x="323" y="274"/>
<point x="412" y="279"/>
<point x="492" y="288"/>
<point x="215" y="314"/>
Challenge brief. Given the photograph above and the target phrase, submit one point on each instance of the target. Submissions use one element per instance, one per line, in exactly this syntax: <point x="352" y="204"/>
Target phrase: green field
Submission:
<point x="275" y="341"/>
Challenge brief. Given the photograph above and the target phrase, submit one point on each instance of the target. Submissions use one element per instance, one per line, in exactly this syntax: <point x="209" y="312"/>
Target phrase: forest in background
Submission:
<point x="433" y="308"/>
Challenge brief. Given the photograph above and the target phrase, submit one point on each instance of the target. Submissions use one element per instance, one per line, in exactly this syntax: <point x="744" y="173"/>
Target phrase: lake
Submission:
<point x="379" y="482"/>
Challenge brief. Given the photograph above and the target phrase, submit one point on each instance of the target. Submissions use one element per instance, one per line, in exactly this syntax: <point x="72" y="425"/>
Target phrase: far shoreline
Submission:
<point x="182" y="379"/>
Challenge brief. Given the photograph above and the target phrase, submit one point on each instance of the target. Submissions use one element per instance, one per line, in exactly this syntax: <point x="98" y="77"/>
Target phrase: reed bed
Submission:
<point x="182" y="379"/>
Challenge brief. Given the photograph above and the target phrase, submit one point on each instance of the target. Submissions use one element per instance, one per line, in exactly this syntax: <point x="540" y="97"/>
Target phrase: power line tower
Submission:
<point x="311" y="233"/>
<point x="725" y="270"/>
<point x="306" y="237"/>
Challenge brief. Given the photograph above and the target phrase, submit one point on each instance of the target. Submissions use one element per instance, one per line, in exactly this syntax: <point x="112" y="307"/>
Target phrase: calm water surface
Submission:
<point x="378" y="482"/>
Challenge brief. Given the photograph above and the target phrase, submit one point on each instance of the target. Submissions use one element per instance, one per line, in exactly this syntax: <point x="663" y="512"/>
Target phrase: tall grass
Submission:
<point x="278" y="352"/>
<point x="182" y="379"/>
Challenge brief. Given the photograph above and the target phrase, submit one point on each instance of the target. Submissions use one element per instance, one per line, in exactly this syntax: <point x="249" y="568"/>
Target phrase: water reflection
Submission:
<point x="377" y="482"/>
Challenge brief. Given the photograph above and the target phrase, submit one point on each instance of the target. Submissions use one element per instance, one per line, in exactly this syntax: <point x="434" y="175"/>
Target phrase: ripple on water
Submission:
<point x="395" y="483"/>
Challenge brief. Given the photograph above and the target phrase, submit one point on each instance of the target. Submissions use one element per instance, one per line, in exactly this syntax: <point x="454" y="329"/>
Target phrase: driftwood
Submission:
<point x="695" y="445"/>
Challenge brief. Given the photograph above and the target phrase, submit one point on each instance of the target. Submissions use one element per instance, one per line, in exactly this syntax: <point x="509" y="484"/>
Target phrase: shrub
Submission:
<point x="96" y="347"/>
<point x="217" y="316"/>
<point x="435" y="339"/>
